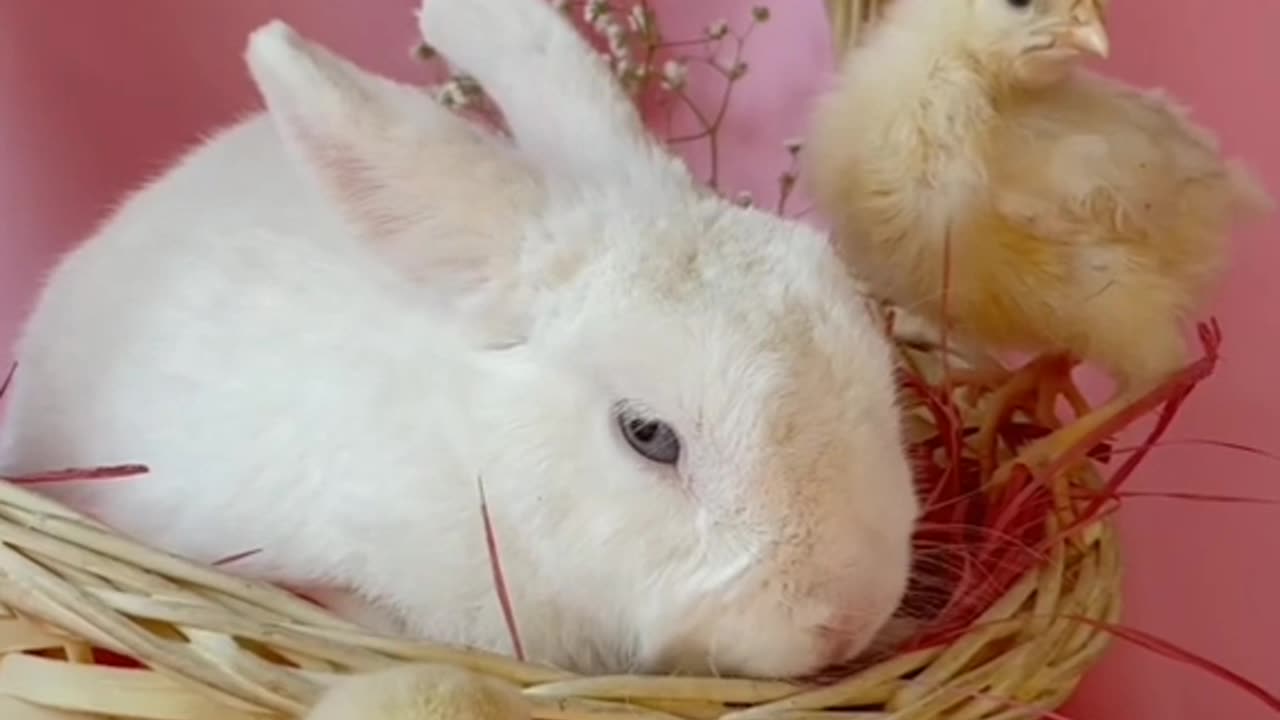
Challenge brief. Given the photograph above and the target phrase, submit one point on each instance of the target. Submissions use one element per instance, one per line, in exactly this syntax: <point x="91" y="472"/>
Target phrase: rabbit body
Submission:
<point x="227" y="332"/>
<point x="326" y="326"/>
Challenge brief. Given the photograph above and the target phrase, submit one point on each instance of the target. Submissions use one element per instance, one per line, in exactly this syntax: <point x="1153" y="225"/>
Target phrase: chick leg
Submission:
<point x="1077" y="438"/>
<point x="1073" y="442"/>
<point x="1046" y="377"/>
<point x="421" y="692"/>
<point x="1150" y="373"/>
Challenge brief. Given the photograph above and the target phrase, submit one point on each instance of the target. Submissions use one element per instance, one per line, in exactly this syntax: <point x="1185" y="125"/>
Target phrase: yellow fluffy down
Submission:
<point x="1086" y="217"/>
<point x="421" y="692"/>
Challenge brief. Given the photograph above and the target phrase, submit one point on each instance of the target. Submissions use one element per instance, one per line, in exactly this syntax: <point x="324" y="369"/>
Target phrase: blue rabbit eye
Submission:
<point x="653" y="439"/>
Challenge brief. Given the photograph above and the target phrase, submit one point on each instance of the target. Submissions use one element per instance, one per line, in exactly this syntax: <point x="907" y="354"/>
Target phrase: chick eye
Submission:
<point x="652" y="439"/>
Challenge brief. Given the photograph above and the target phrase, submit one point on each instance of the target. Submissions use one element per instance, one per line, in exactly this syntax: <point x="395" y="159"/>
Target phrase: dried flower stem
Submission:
<point x="8" y="378"/>
<point x="711" y="127"/>
<point x="652" y="68"/>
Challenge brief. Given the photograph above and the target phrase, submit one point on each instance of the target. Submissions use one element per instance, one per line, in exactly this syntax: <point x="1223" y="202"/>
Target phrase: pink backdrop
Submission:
<point x="89" y="107"/>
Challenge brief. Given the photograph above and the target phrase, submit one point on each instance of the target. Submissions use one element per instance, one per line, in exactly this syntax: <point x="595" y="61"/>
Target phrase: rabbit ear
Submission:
<point x="440" y="199"/>
<point x="562" y="104"/>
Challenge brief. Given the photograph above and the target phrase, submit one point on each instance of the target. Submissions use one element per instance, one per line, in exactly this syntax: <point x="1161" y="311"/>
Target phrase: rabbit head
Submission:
<point x="693" y="454"/>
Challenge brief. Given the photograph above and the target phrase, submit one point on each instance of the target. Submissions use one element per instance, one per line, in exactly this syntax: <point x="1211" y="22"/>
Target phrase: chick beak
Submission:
<point x="1089" y="37"/>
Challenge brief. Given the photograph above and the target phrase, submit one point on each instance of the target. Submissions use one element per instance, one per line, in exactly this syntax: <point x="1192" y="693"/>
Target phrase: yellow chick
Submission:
<point x="421" y="692"/>
<point x="1074" y="216"/>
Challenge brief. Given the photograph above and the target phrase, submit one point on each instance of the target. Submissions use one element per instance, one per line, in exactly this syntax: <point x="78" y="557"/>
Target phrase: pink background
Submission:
<point x="90" y="106"/>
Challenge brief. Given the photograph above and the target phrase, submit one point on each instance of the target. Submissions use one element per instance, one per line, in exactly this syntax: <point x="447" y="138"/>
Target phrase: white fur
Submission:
<point x="325" y="325"/>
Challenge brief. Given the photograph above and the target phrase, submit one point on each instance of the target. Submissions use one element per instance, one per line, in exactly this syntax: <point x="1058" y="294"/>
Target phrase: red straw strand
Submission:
<point x="500" y="584"/>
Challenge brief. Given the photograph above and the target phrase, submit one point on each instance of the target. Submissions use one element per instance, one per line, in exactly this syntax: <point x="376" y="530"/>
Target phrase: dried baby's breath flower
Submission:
<point x="632" y="75"/>
<point x="616" y="37"/>
<point x="793" y="145"/>
<point x="469" y="85"/>
<point x="604" y="22"/>
<point x="459" y="92"/>
<point x="744" y="198"/>
<point x="451" y="96"/>
<point x="638" y="20"/>
<point x="631" y="36"/>
<point x="593" y="10"/>
<point x="674" y="74"/>
<point x="424" y="52"/>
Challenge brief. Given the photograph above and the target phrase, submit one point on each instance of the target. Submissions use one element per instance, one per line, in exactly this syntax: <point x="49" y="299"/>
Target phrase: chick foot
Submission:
<point x="421" y="692"/>
<point x="1035" y="387"/>
<point x="1073" y="442"/>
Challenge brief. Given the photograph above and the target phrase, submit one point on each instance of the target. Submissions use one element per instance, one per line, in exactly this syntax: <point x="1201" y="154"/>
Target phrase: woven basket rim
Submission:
<point x="70" y="583"/>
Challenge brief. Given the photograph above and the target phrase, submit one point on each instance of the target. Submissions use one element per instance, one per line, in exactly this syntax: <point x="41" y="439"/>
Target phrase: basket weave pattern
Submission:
<point x="217" y="646"/>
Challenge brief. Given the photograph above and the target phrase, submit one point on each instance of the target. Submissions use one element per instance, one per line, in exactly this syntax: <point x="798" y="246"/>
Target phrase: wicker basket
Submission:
<point x="215" y="646"/>
<point x="76" y="597"/>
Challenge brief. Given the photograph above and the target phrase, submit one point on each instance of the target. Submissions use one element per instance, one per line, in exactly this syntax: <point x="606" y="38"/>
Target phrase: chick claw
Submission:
<point x="1065" y="446"/>
<point x="1072" y="443"/>
<point x="1044" y="379"/>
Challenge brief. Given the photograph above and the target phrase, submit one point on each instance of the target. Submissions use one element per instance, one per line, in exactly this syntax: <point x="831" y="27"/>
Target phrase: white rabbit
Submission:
<point x="323" y="327"/>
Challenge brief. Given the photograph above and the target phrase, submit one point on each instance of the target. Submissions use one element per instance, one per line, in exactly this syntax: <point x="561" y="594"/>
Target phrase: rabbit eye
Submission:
<point x="1020" y="3"/>
<point x="653" y="439"/>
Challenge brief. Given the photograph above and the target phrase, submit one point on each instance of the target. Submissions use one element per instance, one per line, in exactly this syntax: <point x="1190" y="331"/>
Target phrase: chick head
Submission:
<point x="1036" y="42"/>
